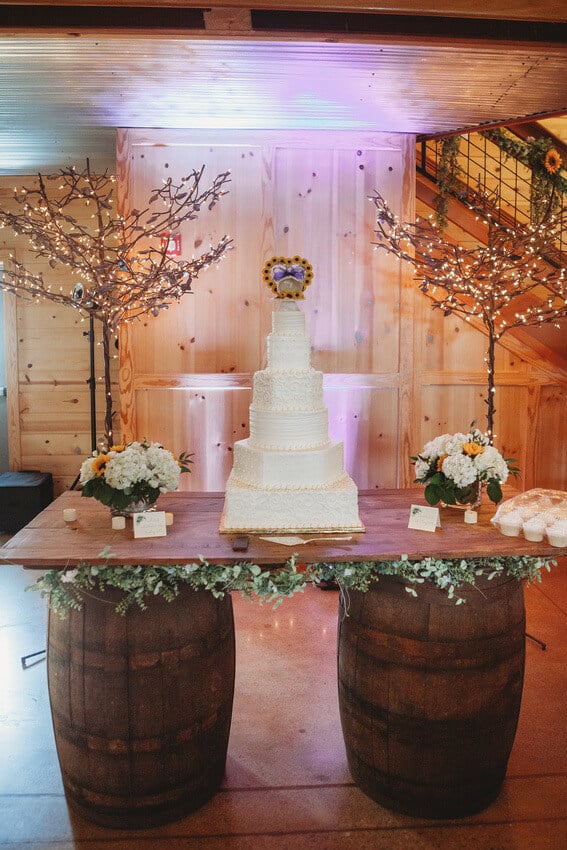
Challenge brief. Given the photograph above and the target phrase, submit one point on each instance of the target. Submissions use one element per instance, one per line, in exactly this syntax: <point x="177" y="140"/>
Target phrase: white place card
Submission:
<point x="424" y="518"/>
<point x="149" y="524"/>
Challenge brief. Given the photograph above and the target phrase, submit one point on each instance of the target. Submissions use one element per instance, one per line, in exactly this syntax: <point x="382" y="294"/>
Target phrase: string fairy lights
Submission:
<point x="121" y="263"/>
<point x="516" y="279"/>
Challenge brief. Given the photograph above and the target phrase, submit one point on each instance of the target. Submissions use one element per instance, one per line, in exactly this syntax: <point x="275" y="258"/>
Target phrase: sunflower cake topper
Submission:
<point x="288" y="277"/>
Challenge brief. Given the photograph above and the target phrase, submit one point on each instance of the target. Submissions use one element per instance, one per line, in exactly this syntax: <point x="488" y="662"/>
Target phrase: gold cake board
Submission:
<point x="273" y="529"/>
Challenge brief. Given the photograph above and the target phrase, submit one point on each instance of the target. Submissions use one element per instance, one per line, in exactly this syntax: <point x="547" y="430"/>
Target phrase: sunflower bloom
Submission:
<point x="99" y="464"/>
<point x="553" y="161"/>
<point x="440" y="463"/>
<point x="472" y="449"/>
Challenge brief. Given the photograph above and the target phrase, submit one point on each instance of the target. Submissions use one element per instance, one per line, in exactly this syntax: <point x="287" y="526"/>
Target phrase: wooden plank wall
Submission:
<point x="187" y="376"/>
<point x="48" y="365"/>
<point x="531" y="385"/>
<point x="396" y="373"/>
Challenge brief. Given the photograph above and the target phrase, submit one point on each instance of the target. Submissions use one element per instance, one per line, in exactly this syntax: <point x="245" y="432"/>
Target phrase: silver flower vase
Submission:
<point x="473" y="502"/>
<point x="134" y="508"/>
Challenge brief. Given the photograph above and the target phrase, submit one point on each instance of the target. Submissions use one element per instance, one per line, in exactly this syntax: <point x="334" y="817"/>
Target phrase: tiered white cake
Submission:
<point x="288" y="475"/>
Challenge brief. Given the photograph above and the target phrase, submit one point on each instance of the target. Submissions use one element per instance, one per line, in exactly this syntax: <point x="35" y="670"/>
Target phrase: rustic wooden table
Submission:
<point x="92" y="644"/>
<point x="49" y="542"/>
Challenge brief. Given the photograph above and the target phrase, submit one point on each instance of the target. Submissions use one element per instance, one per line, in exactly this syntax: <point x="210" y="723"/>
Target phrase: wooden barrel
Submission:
<point x="142" y="705"/>
<point x="430" y="693"/>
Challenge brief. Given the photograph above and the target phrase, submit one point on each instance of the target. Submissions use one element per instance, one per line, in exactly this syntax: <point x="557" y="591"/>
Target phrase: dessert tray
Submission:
<point x="536" y="514"/>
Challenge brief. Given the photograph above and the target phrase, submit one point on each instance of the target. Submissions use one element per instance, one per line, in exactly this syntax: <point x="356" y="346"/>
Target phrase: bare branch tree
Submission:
<point x="122" y="263"/>
<point x="517" y="279"/>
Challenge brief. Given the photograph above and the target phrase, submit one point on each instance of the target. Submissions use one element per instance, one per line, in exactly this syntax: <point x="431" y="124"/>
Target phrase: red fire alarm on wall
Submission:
<point x="172" y="243"/>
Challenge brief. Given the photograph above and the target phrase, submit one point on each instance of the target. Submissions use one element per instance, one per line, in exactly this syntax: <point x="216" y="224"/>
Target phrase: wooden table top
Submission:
<point x="48" y="542"/>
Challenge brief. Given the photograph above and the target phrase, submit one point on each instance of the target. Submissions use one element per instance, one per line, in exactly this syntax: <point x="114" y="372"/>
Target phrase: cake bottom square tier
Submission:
<point x="304" y="510"/>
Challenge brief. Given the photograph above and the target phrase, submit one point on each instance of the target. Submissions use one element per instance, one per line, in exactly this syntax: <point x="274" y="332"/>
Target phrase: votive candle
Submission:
<point x="471" y="517"/>
<point x="69" y="514"/>
<point x="168" y="518"/>
<point x="118" y="522"/>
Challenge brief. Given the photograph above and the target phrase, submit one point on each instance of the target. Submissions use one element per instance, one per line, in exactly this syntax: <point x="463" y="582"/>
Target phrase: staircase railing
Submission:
<point x="485" y="167"/>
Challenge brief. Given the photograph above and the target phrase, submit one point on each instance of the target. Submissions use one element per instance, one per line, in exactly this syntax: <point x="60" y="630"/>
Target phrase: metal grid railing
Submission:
<point x="485" y="168"/>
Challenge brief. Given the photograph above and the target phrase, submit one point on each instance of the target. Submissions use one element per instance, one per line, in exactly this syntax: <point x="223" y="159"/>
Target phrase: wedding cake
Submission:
<point x="288" y="475"/>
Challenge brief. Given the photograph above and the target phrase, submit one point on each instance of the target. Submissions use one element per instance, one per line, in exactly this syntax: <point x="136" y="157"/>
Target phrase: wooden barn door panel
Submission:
<point x="204" y="420"/>
<point x="323" y="213"/>
<point x="215" y="329"/>
<point x="290" y="194"/>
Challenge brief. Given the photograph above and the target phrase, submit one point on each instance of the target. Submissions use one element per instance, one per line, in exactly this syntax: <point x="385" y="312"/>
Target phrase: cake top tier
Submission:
<point x="288" y="345"/>
<point x="288" y="277"/>
<point x="287" y="319"/>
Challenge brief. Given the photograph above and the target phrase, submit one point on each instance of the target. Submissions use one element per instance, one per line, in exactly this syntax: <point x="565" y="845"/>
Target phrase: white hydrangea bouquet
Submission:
<point x="131" y="477"/>
<point x="454" y="468"/>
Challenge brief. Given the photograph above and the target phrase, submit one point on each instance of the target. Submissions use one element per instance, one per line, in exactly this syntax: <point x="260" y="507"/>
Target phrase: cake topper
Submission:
<point x="288" y="277"/>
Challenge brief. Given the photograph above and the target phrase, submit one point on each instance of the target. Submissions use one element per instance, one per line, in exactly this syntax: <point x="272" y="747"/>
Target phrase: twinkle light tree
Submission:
<point x="516" y="280"/>
<point x="122" y="263"/>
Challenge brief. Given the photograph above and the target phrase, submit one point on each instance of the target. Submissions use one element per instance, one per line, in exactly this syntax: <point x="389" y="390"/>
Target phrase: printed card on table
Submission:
<point x="149" y="524"/>
<point x="424" y="518"/>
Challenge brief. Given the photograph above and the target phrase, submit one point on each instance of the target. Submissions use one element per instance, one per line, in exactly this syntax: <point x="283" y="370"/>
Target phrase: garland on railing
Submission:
<point x="539" y="155"/>
<point x="66" y="588"/>
<point x="448" y="170"/>
<point x="547" y="184"/>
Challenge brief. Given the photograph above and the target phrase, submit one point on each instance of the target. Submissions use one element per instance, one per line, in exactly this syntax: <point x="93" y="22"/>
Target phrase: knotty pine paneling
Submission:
<point x="352" y="306"/>
<point x="361" y="415"/>
<point x="452" y="407"/>
<point x="67" y="358"/>
<point x="550" y="461"/>
<point x="49" y="360"/>
<point x="290" y="194"/>
<point x="450" y="344"/>
<point x="204" y="420"/>
<point x="449" y="368"/>
<point x="396" y="372"/>
<point x="215" y="329"/>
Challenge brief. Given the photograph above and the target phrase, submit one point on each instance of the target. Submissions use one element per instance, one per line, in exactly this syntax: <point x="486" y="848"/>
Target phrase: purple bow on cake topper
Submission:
<point x="295" y="270"/>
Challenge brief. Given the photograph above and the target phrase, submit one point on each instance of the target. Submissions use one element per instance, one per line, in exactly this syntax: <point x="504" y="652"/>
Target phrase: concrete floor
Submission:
<point x="287" y="783"/>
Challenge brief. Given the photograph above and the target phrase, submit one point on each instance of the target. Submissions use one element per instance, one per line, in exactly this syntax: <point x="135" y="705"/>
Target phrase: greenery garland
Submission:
<point x="448" y="170"/>
<point x="66" y="588"/>
<point x="547" y="184"/>
<point x="448" y="574"/>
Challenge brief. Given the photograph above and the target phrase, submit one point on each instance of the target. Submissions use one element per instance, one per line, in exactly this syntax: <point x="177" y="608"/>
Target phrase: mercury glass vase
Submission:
<point x="474" y="500"/>
<point x="134" y="508"/>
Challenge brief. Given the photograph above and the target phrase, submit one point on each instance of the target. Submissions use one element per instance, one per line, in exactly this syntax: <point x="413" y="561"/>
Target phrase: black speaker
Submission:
<point x="22" y="496"/>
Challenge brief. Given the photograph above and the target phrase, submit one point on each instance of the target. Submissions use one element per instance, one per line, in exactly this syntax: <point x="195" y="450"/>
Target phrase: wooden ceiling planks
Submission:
<point x="62" y="97"/>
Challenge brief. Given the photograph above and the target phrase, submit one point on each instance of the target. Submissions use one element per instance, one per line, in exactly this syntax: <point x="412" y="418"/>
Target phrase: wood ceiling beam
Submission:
<point x="505" y="10"/>
<point x="452" y="19"/>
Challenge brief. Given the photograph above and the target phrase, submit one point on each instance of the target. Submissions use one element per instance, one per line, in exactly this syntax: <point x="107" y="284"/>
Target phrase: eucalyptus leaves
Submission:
<point x="66" y="588"/>
<point x="448" y="574"/>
